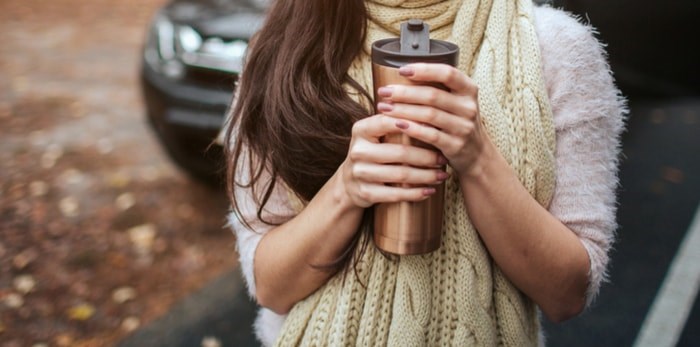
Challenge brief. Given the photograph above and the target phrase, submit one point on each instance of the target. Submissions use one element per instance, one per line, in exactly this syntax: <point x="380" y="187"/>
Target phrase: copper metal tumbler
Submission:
<point x="409" y="227"/>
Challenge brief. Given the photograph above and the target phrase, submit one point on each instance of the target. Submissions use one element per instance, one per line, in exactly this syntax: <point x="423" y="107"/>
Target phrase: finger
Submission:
<point x="389" y="153"/>
<point x="403" y="174"/>
<point x="429" y="96"/>
<point x="427" y="115"/>
<point x="445" y="142"/>
<point x="451" y="77"/>
<point x="379" y="193"/>
<point x="374" y="127"/>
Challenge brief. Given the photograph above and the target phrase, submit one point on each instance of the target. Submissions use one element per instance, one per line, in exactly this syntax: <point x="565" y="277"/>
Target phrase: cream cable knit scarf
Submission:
<point x="457" y="295"/>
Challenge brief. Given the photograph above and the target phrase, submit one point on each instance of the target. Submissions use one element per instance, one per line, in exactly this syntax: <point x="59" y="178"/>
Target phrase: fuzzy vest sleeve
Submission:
<point x="277" y="210"/>
<point x="588" y="118"/>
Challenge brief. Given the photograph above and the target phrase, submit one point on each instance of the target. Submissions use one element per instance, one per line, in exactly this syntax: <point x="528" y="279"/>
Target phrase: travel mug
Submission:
<point x="409" y="227"/>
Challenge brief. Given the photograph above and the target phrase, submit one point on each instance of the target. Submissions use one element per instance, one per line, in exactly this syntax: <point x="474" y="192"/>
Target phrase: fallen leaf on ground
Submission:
<point x="69" y="206"/>
<point x="142" y="237"/>
<point x="118" y="180"/>
<point x="13" y="300"/>
<point x="130" y="323"/>
<point x="81" y="312"/>
<point x="210" y="341"/>
<point x="63" y="340"/>
<point x="24" y="284"/>
<point x="125" y="201"/>
<point x="24" y="258"/>
<point x="38" y="188"/>
<point x="123" y="294"/>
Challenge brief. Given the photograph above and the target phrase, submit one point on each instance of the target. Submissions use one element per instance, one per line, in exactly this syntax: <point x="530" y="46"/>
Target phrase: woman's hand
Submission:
<point x="370" y="165"/>
<point x="449" y="120"/>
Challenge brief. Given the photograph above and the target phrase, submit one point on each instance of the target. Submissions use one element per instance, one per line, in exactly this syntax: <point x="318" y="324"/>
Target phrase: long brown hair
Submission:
<point x="292" y="112"/>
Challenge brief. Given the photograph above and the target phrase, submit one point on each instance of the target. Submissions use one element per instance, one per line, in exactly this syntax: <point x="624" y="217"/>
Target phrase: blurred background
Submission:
<point x="100" y="233"/>
<point x="112" y="214"/>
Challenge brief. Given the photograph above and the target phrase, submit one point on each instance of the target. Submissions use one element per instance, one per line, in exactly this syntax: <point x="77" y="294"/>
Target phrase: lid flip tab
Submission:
<point x="415" y="37"/>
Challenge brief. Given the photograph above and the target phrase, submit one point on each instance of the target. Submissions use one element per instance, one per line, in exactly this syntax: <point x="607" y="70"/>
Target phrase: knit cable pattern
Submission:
<point x="456" y="295"/>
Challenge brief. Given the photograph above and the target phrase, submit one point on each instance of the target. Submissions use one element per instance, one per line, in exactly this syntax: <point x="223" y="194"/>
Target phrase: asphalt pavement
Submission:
<point x="658" y="197"/>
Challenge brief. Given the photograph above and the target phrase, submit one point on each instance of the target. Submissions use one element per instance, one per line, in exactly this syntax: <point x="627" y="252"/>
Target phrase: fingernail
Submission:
<point x="384" y="107"/>
<point x="401" y="124"/>
<point x="385" y="91"/>
<point x="406" y="71"/>
<point x="428" y="191"/>
<point x="442" y="175"/>
<point x="441" y="160"/>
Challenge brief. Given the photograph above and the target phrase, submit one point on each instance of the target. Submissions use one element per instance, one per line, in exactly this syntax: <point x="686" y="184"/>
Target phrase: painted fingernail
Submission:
<point x="385" y="91"/>
<point x="401" y="124"/>
<point x="428" y="191"/>
<point x="384" y="107"/>
<point x="406" y="71"/>
<point x="441" y="160"/>
<point x="442" y="175"/>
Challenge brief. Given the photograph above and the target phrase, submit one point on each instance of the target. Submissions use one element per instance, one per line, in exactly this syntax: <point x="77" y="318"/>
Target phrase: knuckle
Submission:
<point x="394" y="198"/>
<point x="356" y="171"/>
<point x="432" y="96"/>
<point x="469" y="107"/>
<point x="415" y="194"/>
<point x="433" y="136"/>
<point x="455" y="147"/>
<point x="364" y="193"/>
<point x="358" y="127"/>
<point x="386" y="121"/>
<point x="403" y="154"/>
<point x="433" y="114"/>
<point x="450" y="152"/>
<point x="452" y="74"/>
<point x="402" y="174"/>
<point x="461" y="143"/>
<point x="468" y="128"/>
<point x="471" y="104"/>
<point x="357" y="152"/>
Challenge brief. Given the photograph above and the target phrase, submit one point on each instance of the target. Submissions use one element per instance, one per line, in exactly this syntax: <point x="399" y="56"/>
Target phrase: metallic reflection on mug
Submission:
<point x="409" y="227"/>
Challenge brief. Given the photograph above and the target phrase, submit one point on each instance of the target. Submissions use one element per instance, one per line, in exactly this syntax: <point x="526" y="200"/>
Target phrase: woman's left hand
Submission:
<point x="449" y="120"/>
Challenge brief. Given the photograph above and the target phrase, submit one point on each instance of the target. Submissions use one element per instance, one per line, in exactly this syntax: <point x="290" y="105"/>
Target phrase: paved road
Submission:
<point x="659" y="195"/>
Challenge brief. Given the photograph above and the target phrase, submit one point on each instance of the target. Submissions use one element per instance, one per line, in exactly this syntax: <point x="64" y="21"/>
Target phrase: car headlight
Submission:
<point x="171" y="46"/>
<point x="217" y="54"/>
<point x="160" y="52"/>
<point x="188" y="39"/>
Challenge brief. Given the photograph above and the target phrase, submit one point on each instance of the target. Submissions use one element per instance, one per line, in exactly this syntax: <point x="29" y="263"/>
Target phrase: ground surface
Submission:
<point x="99" y="232"/>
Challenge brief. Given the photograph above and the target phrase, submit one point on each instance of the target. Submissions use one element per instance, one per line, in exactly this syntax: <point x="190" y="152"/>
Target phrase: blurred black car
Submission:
<point x="191" y="60"/>
<point x="194" y="53"/>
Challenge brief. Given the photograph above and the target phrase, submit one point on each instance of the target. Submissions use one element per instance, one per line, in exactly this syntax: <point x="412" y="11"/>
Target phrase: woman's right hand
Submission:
<point x="370" y="165"/>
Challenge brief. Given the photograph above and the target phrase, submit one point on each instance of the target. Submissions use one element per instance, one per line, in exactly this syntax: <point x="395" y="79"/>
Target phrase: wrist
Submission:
<point x="482" y="163"/>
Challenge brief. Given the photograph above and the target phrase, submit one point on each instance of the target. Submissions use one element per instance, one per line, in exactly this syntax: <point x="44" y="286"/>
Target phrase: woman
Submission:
<point x="529" y="130"/>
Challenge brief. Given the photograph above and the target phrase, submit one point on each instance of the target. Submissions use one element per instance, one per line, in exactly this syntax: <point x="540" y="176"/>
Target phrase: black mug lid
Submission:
<point x="413" y="46"/>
